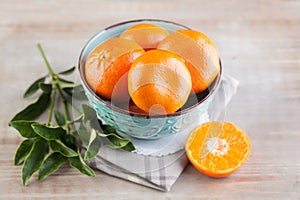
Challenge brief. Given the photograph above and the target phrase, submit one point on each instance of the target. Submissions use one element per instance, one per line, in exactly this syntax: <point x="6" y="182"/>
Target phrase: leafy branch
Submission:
<point x="47" y="146"/>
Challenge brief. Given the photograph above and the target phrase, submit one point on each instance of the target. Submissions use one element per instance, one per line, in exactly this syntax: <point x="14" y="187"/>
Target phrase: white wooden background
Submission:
<point x="259" y="44"/>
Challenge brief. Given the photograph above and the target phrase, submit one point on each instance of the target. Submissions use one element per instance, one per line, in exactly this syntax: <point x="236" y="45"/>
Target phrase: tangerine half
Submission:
<point x="146" y="35"/>
<point x="159" y="82"/>
<point x="199" y="52"/>
<point x="217" y="149"/>
<point x="107" y="65"/>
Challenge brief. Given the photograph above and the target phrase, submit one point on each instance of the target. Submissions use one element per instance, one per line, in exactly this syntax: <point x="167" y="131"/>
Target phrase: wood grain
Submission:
<point x="259" y="44"/>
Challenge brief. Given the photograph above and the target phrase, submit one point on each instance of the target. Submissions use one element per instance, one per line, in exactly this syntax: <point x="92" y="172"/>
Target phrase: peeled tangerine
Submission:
<point x="159" y="82"/>
<point x="200" y="54"/>
<point x="107" y="66"/>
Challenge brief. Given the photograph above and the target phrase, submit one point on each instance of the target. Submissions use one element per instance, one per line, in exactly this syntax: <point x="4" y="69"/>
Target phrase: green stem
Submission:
<point x="65" y="106"/>
<point x="51" y="107"/>
<point x="45" y="59"/>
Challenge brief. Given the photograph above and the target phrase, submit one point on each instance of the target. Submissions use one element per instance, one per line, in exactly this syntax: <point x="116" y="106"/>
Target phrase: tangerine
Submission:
<point x="107" y="65"/>
<point x="159" y="82"/>
<point x="217" y="149"/>
<point x="146" y="35"/>
<point x="199" y="52"/>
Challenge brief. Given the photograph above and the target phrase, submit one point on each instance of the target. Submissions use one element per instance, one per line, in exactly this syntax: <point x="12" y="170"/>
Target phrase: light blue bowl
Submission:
<point x="140" y="125"/>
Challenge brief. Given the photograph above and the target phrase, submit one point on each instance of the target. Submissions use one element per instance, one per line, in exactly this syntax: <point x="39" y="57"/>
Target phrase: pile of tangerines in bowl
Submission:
<point x="141" y="78"/>
<point x="155" y="70"/>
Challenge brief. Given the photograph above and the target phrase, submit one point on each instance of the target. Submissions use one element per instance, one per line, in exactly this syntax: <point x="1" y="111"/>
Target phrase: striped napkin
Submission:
<point x="159" y="172"/>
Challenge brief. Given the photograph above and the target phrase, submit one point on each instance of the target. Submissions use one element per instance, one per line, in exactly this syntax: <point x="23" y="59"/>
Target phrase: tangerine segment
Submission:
<point x="146" y="35"/>
<point x="107" y="63"/>
<point x="200" y="53"/>
<point x="159" y="82"/>
<point x="217" y="149"/>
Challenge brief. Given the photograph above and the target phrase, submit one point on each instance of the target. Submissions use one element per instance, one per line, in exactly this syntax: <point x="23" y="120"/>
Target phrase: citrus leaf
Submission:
<point x="34" y="159"/>
<point x="24" y="128"/>
<point x="59" y="117"/>
<point x="79" y="93"/>
<point x="58" y="146"/>
<point x="88" y="113"/>
<point x="70" y="141"/>
<point x="108" y="129"/>
<point x="79" y="164"/>
<point x="83" y="134"/>
<point x="35" y="109"/>
<point x="66" y="84"/>
<point x="33" y="87"/>
<point x="93" y="146"/>
<point x="68" y="71"/>
<point x="118" y="142"/>
<point x="48" y="132"/>
<point x="51" y="164"/>
<point x="129" y="147"/>
<point x="46" y="88"/>
<point x="68" y="91"/>
<point x="22" y="151"/>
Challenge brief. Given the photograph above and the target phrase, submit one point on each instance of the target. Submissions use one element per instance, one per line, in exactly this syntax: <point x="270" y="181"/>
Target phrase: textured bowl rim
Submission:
<point x="114" y="108"/>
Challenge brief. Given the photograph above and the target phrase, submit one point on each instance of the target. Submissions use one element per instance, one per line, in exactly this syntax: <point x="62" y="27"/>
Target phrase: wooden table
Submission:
<point x="259" y="44"/>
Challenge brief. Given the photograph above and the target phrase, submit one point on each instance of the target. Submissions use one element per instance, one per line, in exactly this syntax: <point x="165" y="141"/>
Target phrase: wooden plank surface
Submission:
<point x="259" y="44"/>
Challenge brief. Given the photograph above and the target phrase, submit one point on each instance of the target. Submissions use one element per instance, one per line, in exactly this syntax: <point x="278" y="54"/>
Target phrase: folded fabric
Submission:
<point x="159" y="169"/>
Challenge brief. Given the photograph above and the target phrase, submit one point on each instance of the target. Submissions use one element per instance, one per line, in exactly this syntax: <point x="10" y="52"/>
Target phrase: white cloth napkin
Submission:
<point x="155" y="167"/>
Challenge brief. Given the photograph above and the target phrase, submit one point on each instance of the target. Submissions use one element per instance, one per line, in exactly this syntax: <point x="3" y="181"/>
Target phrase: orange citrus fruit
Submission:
<point x="159" y="82"/>
<point x="217" y="149"/>
<point x="200" y="53"/>
<point x="107" y="65"/>
<point x="146" y="35"/>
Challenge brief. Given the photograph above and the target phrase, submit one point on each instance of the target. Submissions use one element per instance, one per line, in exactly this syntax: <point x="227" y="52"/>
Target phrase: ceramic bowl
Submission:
<point x="141" y="125"/>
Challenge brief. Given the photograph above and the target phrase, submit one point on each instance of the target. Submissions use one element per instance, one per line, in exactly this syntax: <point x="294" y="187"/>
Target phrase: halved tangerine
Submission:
<point x="217" y="149"/>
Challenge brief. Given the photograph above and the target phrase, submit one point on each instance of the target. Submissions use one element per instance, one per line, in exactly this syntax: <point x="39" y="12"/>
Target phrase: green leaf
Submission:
<point x="68" y="71"/>
<point x="58" y="146"/>
<point x="46" y="88"/>
<point x="83" y="134"/>
<point x="68" y="91"/>
<point x="34" y="159"/>
<point x="35" y="109"/>
<point x="70" y="141"/>
<point x="88" y="113"/>
<point x="93" y="146"/>
<point x="33" y="87"/>
<point x="59" y="117"/>
<point x="52" y="163"/>
<point x="79" y="93"/>
<point x="79" y="164"/>
<point x="66" y="84"/>
<point x="24" y="128"/>
<point x="95" y="123"/>
<point x="117" y="141"/>
<point x="108" y="129"/>
<point x="22" y="151"/>
<point x="129" y="147"/>
<point x="48" y="132"/>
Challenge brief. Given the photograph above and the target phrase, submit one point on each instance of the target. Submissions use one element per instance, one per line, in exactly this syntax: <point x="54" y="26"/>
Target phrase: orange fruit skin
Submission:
<point x="159" y="82"/>
<point x="107" y="67"/>
<point x="220" y="159"/>
<point x="199" y="52"/>
<point x="146" y="35"/>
